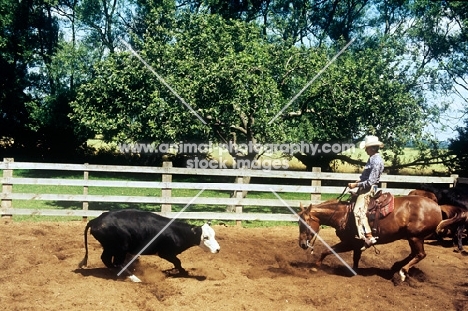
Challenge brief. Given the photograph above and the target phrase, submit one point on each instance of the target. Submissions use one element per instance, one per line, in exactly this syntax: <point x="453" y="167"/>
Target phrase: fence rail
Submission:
<point x="17" y="203"/>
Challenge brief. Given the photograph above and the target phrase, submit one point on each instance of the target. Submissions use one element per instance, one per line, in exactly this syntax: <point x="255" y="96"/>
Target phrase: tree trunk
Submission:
<point x="245" y="180"/>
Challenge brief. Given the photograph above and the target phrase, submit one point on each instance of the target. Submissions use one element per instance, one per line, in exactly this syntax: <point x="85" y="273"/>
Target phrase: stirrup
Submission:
<point x="368" y="242"/>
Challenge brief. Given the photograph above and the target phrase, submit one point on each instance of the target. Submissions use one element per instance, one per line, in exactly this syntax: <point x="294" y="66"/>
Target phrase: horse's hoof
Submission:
<point x="402" y="275"/>
<point x="399" y="278"/>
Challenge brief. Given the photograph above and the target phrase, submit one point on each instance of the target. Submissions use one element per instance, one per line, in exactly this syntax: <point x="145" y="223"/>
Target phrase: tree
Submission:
<point x="221" y="70"/>
<point x="237" y="80"/>
<point x="457" y="147"/>
<point x="28" y="40"/>
<point x="236" y="63"/>
<point x="360" y="94"/>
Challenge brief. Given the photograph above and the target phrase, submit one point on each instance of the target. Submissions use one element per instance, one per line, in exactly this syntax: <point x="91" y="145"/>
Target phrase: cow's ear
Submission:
<point x="196" y="230"/>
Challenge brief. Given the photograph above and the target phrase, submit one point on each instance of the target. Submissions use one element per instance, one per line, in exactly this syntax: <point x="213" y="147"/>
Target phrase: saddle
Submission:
<point x="379" y="206"/>
<point x="381" y="203"/>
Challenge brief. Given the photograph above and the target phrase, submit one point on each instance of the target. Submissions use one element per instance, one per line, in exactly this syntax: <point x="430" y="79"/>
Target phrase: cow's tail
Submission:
<point x="458" y="218"/>
<point x="84" y="262"/>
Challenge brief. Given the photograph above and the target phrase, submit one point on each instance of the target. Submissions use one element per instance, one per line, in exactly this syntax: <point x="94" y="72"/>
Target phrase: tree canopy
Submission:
<point x="232" y="68"/>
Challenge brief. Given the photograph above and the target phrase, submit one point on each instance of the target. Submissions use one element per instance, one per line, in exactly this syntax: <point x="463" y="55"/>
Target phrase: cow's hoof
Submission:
<point x="176" y="272"/>
<point x="134" y="278"/>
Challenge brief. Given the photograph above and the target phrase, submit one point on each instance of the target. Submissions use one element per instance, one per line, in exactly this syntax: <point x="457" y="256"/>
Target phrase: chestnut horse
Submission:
<point x="414" y="218"/>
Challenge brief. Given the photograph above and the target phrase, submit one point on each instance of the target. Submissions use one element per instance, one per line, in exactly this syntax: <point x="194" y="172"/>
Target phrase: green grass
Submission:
<point x="24" y="218"/>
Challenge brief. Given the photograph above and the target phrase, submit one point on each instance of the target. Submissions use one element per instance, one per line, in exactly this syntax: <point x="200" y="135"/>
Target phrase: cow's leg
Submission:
<point x="172" y="258"/>
<point x="119" y="258"/>
<point x="119" y="263"/>
<point x="130" y="275"/>
<point x="106" y="258"/>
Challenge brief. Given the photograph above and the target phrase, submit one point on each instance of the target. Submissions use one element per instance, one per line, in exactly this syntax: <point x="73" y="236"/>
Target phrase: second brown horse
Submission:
<point x="414" y="218"/>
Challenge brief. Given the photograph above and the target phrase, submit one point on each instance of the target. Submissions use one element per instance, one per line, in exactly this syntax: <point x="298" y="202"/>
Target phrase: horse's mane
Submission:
<point x="325" y="204"/>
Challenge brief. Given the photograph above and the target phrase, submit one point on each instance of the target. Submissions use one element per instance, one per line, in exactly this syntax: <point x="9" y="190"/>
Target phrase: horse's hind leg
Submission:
<point x="417" y="254"/>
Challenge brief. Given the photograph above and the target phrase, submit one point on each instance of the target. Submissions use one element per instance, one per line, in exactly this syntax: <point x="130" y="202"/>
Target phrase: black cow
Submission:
<point x="457" y="196"/>
<point x="139" y="232"/>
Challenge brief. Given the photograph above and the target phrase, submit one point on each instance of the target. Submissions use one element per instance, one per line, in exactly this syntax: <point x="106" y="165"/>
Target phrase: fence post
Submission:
<point x="383" y="185"/>
<point x="316" y="196"/>
<point x="455" y="180"/>
<point x="85" y="190"/>
<point x="7" y="188"/>
<point x="239" y="195"/>
<point x="166" y="192"/>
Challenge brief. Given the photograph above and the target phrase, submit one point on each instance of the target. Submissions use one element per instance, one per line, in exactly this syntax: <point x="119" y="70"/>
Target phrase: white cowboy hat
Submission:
<point x="370" y="141"/>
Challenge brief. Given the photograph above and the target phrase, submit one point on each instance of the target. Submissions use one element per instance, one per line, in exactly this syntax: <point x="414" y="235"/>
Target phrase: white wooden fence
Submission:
<point x="16" y="203"/>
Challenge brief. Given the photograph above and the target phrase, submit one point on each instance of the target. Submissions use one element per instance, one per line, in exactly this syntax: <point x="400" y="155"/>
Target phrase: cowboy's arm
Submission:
<point x="374" y="176"/>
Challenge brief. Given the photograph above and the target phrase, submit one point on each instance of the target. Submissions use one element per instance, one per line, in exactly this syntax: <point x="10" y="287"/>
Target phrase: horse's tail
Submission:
<point x="457" y="218"/>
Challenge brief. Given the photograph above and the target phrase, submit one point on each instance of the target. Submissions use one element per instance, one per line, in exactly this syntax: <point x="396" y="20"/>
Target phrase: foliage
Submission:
<point x="16" y="50"/>
<point x="221" y="70"/>
<point x="458" y="148"/>
<point x="236" y="63"/>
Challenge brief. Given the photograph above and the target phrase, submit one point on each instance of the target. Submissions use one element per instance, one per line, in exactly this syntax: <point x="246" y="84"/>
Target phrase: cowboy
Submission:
<point x="367" y="184"/>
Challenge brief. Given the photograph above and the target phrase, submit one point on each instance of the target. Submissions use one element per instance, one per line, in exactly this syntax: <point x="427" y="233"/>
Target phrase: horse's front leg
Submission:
<point x="357" y="252"/>
<point x="341" y="247"/>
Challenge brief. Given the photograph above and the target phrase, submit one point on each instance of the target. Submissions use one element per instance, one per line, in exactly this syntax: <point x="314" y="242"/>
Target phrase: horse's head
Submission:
<point x="309" y="226"/>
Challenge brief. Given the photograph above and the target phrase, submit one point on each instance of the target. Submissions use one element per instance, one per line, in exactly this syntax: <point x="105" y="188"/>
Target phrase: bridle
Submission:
<point x="310" y="243"/>
<point x="309" y="231"/>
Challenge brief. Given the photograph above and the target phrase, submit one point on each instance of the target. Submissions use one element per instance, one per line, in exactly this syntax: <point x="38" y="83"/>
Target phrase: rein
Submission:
<point x="338" y="199"/>
<point x="342" y="194"/>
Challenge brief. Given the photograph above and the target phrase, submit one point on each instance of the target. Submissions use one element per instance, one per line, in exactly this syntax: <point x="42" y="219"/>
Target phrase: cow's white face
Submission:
<point x="208" y="242"/>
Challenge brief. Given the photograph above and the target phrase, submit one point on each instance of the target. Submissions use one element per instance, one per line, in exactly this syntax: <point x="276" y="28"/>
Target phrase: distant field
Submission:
<point x="409" y="155"/>
<point x="339" y="166"/>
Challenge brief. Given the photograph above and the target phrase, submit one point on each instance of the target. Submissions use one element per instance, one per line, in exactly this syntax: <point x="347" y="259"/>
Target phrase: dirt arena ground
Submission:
<point x="257" y="269"/>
